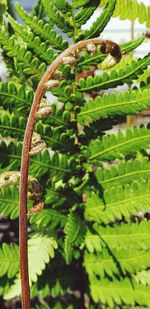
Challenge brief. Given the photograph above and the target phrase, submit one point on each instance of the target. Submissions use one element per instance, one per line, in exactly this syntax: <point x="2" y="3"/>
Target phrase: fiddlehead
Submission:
<point x="111" y="48"/>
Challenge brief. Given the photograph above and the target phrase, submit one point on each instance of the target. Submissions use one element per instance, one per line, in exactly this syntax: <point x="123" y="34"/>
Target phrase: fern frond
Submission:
<point x="59" y="117"/>
<point x="14" y="126"/>
<point x="41" y="49"/>
<point x="54" y="164"/>
<point x="38" y="10"/>
<point x="118" y="146"/>
<point x="31" y="65"/>
<point x="74" y="231"/>
<point x="132" y="45"/>
<point x="98" y="57"/>
<point x="11" y="125"/>
<point x="143" y="277"/>
<point x="123" y="173"/>
<point x="9" y="202"/>
<point x="9" y="260"/>
<point x="42" y="29"/>
<point x="116" y="262"/>
<point x="92" y="242"/>
<point x="125" y="236"/>
<point x="62" y="5"/>
<point x="125" y="103"/>
<point x="100" y="23"/>
<point x="49" y="217"/>
<point x="57" y="17"/>
<point x="55" y="137"/>
<point x="118" y="202"/>
<point x="85" y="13"/>
<point x="40" y="249"/>
<point x="144" y="77"/>
<point x="119" y="292"/>
<point x="131" y="10"/>
<point x="115" y="78"/>
<point x="79" y="3"/>
<point x="15" y="97"/>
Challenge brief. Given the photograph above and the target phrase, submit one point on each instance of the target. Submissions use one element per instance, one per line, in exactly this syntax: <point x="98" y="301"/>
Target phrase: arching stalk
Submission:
<point x="23" y="224"/>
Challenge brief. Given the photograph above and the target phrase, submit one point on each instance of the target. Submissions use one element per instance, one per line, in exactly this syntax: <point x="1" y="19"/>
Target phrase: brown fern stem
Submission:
<point x="23" y="224"/>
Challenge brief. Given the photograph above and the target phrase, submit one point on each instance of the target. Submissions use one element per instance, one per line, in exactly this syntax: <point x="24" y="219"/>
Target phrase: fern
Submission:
<point x="119" y="292"/>
<point x="89" y="246"/>
<point x="124" y="172"/>
<point x="99" y="24"/>
<point x="85" y="13"/>
<point x="118" y="202"/>
<point x="15" y="97"/>
<point x="47" y="162"/>
<point x="131" y="10"/>
<point x="125" y="236"/>
<point x="9" y="260"/>
<point x="31" y="65"/>
<point x="40" y="48"/>
<point x="74" y="235"/>
<point x="9" y="202"/>
<point x="115" y="78"/>
<point x="118" y="262"/>
<point x="126" y="103"/>
<point x="47" y="217"/>
<point x="62" y="5"/>
<point x="143" y="277"/>
<point x="112" y="146"/>
<point x="56" y="17"/>
<point x="44" y="30"/>
<point x="40" y="248"/>
<point x="88" y="59"/>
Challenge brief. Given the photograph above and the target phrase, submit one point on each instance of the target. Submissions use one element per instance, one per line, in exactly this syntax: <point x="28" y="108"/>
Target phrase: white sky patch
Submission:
<point x="3" y="71"/>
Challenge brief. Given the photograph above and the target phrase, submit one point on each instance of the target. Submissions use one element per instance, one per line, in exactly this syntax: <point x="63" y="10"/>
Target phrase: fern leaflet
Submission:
<point x="118" y="202"/>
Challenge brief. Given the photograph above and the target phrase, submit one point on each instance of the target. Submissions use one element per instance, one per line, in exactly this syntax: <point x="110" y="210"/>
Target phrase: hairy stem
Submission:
<point x="23" y="224"/>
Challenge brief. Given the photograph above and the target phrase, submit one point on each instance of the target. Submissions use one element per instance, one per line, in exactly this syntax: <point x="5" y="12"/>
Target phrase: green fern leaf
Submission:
<point x="100" y="23"/>
<point x="49" y="218"/>
<point x="74" y="231"/>
<point x="56" y="165"/>
<point x="38" y="10"/>
<point x="143" y="277"/>
<point x="42" y="29"/>
<point x="11" y="125"/>
<point x="15" y="97"/>
<point x="115" y="78"/>
<point x="131" y="10"/>
<point x="9" y="202"/>
<point x="79" y="3"/>
<point x="84" y="14"/>
<point x="118" y="146"/>
<point x="57" y="17"/>
<point x="41" y="49"/>
<point x="92" y="242"/>
<point x="125" y="236"/>
<point x="59" y="117"/>
<point x="132" y="45"/>
<point x="124" y="173"/>
<point x="118" y="262"/>
<point x="9" y="260"/>
<point x="30" y="65"/>
<point x="118" y="202"/>
<point x="119" y="292"/>
<point x="125" y="103"/>
<point x="62" y="5"/>
<point x="40" y="249"/>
